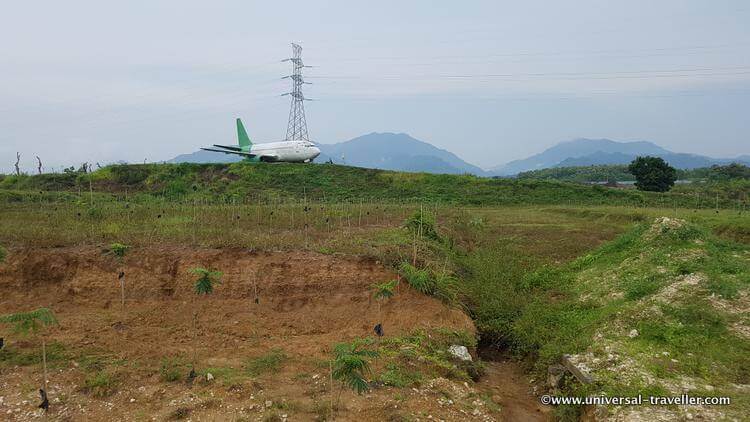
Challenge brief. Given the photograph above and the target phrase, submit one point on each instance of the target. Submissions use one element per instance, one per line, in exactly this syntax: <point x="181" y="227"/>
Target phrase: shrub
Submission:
<point x="420" y="280"/>
<point x="423" y="223"/>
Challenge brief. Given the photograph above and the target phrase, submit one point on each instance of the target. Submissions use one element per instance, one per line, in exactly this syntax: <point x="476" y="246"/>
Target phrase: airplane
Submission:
<point x="271" y="152"/>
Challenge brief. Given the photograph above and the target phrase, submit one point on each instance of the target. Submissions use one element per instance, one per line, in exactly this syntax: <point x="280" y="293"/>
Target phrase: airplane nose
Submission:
<point x="316" y="150"/>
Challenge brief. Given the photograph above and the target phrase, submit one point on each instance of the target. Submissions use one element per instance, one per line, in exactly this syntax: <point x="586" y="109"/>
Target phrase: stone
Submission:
<point x="580" y="370"/>
<point x="209" y="377"/>
<point x="460" y="353"/>
<point x="555" y="375"/>
<point x="633" y="333"/>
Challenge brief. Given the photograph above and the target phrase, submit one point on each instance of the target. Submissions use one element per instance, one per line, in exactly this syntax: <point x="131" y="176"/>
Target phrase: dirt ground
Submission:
<point x="299" y="303"/>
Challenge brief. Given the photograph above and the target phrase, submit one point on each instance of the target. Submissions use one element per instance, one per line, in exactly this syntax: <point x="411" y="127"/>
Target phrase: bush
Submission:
<point x="422" y="222"/>
<point x="420" y="280"/>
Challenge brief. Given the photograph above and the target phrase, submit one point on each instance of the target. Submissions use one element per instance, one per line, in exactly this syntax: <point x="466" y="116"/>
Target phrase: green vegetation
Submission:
<point x="34" y="322"/>
<point x="673" y="282"/>
<point x="100" y="384"/>
<point x="118" y="250"/>
<point x="534" y="278"/>
<point x="351" y="365"/>
<point x="652" y="174"/>
<point x="171" y="369"/>
<point x="424" y="354"/>
<point x="204" y="285"/>
<point x="3" y="254"/>
<point x="251" y="183"/>
<point x="620" y="173"/>
<point x="581" y="174"/>
<point x="269" y="362"/>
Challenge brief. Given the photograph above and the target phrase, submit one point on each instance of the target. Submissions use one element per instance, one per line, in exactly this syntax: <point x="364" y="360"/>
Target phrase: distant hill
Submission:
<point x="395" y="151"/>
<point x="201" y="156"/>
<point x="596" y="152"/>
<point x="387" y="151"/>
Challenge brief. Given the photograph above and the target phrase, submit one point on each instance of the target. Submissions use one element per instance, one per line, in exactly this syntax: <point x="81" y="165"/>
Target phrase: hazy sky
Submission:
<point x="491" y="81"/>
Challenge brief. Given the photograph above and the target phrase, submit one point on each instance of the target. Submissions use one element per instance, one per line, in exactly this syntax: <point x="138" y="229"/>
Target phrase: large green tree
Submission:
<point x="652" y="174"/>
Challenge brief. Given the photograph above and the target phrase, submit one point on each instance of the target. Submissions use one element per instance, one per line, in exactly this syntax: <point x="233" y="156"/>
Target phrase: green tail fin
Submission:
<point x="242" y="137"/>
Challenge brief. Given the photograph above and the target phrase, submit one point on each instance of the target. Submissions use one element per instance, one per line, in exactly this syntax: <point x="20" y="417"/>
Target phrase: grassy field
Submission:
<point x="261" y="184"/>
<point x="543" y="268"/>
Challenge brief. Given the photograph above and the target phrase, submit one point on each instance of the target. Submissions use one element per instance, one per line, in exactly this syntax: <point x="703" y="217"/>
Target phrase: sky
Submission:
<point x="491" y="81"/>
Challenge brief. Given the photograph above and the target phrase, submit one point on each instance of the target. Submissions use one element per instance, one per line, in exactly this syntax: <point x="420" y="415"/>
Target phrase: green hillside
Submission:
<point x="245" y="182"/>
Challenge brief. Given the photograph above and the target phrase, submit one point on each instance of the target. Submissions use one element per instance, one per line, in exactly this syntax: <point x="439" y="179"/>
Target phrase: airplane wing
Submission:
<point x="228" y="147"/>
<point x="242" y="153"/>
<point x="267" y="158"/>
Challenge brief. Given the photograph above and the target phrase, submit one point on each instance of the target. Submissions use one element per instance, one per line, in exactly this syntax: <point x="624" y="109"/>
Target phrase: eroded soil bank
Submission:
<point x="297" y="304"/>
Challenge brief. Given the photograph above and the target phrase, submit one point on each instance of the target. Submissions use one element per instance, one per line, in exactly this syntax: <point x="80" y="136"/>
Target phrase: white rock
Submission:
<point x="209" y="377"/>
<point x="633" y="333"/>
<point x="269" y="403"/>
<point x="460" y="352"/>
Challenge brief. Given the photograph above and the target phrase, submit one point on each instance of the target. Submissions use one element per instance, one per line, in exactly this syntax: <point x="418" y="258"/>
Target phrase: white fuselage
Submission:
<point x="289" y="151"/>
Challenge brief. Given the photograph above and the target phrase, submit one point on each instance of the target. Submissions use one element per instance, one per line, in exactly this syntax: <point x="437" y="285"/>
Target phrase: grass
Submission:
<point x="22" y="355"/>
<point x="100" y="384"/>
<point x="540" y="280"/>
<point x="269" y="362"/>
<point x="172" y="369"/>
<point x="406" y="360"/>
<point x="240" y="182"/>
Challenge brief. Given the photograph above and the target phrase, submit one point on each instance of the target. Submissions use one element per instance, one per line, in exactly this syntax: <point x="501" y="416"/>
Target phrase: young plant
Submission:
<point x="34" y="322"/>
<point x="119" y="250"/>
<point x="204" y="285"/>
<point x="351" y="366"/>
<point x="383" y="292"/>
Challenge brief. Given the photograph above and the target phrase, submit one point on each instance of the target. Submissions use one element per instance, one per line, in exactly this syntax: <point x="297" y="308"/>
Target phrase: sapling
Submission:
<point x="383" y="292"/>
<point x="204" y="285"/>
<point x="351" y="366"/>
<point x="119" y="250"/>
<point x="32" y="323"/>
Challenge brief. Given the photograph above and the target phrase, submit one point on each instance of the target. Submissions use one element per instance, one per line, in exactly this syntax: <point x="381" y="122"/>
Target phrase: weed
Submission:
<point x="172" y="369"/>
<point x="269" y="362"/>
<point x="100" y="384"/>
<point x="398" y="376"/>
<point x="118" y="250"/>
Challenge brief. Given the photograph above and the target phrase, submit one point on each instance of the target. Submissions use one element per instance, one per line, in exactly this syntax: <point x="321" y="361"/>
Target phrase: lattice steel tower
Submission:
<point x="297" y="127"/>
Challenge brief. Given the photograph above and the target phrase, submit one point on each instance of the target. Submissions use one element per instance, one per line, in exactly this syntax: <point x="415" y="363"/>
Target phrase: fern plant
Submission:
<point x="204" y="285"/>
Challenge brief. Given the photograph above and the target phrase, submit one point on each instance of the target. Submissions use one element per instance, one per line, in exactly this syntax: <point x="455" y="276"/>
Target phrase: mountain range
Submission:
<point x="399" y="151"/>
<point x="587" y="152"/>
